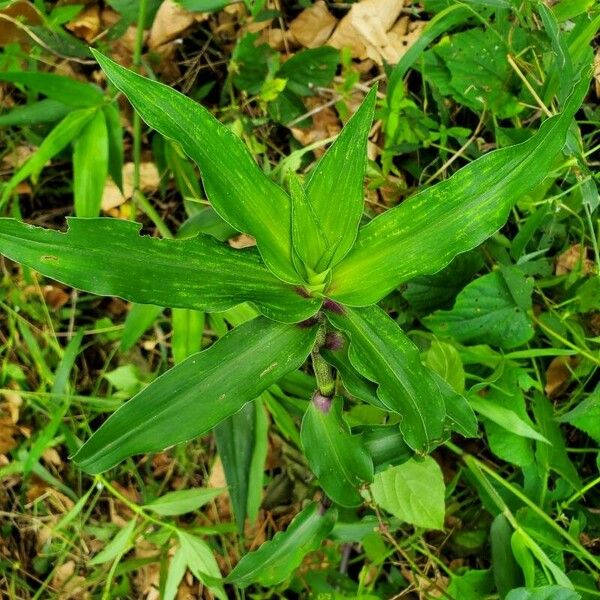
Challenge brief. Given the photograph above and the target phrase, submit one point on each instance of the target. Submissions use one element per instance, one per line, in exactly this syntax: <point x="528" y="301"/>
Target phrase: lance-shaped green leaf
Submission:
<point x="307" y="235"/>
<point x="338" y="458"/>
<point x="381" y="352"/>
<point x="424" y="233"/>
<point x="90" y="166"/>
<point x="108" y="257"/>
<point x="335" y="187"/>
<point x="71" y="92"/>
<point x="199" y="393"/>
<point x="236" y="187"/>
<point x="276" y="559"/>
<point x="236" y="438"/>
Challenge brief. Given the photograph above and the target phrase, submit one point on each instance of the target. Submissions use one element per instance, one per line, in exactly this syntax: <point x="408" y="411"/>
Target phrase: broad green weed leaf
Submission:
<point x="90" y="166"/>
<point x="109" y="257"/>
<point x="200" y="560"/>
<point x="337" y="458"/>
<point x="62" y="134"/>
<point x="335" y="188"/>
<point x="236" y="187"/>
<point x="307" y="69"/>
<point x="201" y="391"/>
<point x="120" y="544"/>
<point x="505" y="418"/>
<point x="424" y="233"/>
<point x="382" y="353"/>
<point x="586" y="415"/>
<point x="546" y="592"/>
<point x="486" y="312"/>
<point x="443" y="359"/>
<point x="475" y="584"/>
<point x="507" y="573"/>
<point x="413" y="492"/>
<point x="182" y="501"/>
<point x="475" y="70"/>
<point x="278" y="558"/>
<point x="553" y="455"/>
<point x="71" y="92"/>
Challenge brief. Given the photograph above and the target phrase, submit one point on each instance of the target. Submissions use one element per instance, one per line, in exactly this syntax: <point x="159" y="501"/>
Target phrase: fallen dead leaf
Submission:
<point x="55" y="297"/>
<point x="559" y="374"/>
<point x="8" y="434"/>
<point x="313" y="26"/>
<point x="243" y="240"/>
<point x="276" y="38"/>
<point x="575" y="258"/>
<point x="18" y="156"/>
<point x="170" y="22"/>
<point x="17" y="16"/>
<point x="62" y="574"/>
<point x="86" y="25"/>
<point x="56" y="499"/>
<point x="52" y="457"/>
<point x="370" y="31"/>
<point x="217" y="479"/>
<point x="147" y="577"/>
<point x="149" y="181"/>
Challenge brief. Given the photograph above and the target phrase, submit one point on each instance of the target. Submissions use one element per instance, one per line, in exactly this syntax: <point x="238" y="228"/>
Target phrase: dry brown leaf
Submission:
<point x="147" y="577"/>
<point x="369" y="31"/>
<point x="58" y="500"/>
<point x="243" y="240"/>
<point x="62" y="574"/>
<point x="559" y="374"/>
<point x="86" y="25"/>
<point x="12" y="405"/>
<point x="276" y="38"/>
<point x="217" y="479"/>
<point x="149" y="182"/>
<point x="8" y="434"/>
<point x="18" y="156"/>
<point x="575" y="258"/>
<point x="55" y="296"/>
<point x="17" y="16"/>
<point x="313" y="26"/>
<point x="52" y="457"/>
<point x="170" y="22"/>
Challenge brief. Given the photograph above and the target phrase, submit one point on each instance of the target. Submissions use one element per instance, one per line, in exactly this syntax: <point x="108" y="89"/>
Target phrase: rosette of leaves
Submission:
<point x="315" y="271"/>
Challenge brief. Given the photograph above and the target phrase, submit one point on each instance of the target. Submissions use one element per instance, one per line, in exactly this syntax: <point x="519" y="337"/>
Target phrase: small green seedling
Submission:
<point x="316" y="277"/>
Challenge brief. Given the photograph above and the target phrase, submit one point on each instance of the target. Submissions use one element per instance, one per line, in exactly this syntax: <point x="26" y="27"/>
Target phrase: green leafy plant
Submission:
<point x="315" y="277"/>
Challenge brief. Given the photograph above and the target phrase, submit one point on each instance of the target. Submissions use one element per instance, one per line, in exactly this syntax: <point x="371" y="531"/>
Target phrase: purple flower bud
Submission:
<point x="308" y="323"/>
<point x="323" y="403"/>
<point x="333" y="306"/>
<point x="334" y="341"/>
